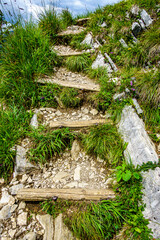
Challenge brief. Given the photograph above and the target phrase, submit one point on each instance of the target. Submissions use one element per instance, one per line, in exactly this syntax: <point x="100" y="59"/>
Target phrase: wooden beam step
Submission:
<point x="29" y="194"/>
<point x="70" y="54"/>
<point x="89" y="87"/>
<point x="76" y="124"/>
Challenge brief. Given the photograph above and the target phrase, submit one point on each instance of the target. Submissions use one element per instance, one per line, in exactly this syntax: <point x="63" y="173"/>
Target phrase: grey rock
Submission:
<point x="104" y="24"/>
<point x="22" y="219"/>
<point x="30" y="236"/>
<point x="5" y="212"/>
<point x="100" y="62"/>
<point x="138" y="108"/>
<point x="75" y="149"/>
<point x="140" y="149"/>
<point x="136" y="28"/>
<point x="34" y="121"/>
<point x="88" y="39"/>
<point x="11" y="233"/>
<point x="135" y="10"/>
<point x="1" y="181"/>
<point x="14" y="207"/>
<point x="22" y="164"/>
<point x="135" y="40"/>
<point x="111" y="62"/>
<point x="6" y="198"/>
<point x="47" y="223"/>
<point x="60" y="176"/>
<point x="119" y="96"/>
<point x="61" y="231"/>
<point x="77" y="173"/>
<point x="142" y="24"/>
<point x="151" y="197"/>
<point x="146" y="18"/>
<point x="94" y="112"/>
<point x="124" y="44"/>
<point x="14" y="189"/>
<point x="22" y="205"/>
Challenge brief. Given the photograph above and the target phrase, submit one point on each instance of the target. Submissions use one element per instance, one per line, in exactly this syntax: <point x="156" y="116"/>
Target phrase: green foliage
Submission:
<point x="69" y="97"/>
<point x="49" y="23"/>
<point x="66" y="18"/>
<point x="148" y="4"/>
<point x="125" y="174"/>
<point x="46" y="145"/>
<point x="76" y="41"/>
<point x="98" y="73"/>
<point x="13" y="125"/>
<point x="78" y="63"/>
<point x="148" y="86"/>
<point x="104" y="141"/>
<point x="152" y="118"/>
<point x="26" y="53"/>
<point x="100" y="221"/>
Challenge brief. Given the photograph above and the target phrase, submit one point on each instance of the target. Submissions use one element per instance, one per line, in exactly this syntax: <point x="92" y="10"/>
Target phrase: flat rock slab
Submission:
<point x="76" y="124"/>
<point x="140" y="149"/>
<point x="71" y="31"/>
<point x="66" y="78"/>
<point x="66" y="51"/>
<point x="151" y="197"/>
<point x="82" y="21"/>
<point x="47" y="223"/>
<point x="74" y="194"/>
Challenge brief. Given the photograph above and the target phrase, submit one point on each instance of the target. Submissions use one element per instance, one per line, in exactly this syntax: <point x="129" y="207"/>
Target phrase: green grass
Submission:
<point x="69" y="98"/>
<point x="13" y="126"/>
<point x="66" y="18"/>
<point x="78" y="63"/>
<point x="47" y="144"/>
<point x="104" y="141"/>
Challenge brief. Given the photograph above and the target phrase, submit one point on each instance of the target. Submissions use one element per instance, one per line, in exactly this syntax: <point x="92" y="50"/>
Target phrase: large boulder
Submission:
<point x="140" y="149"/>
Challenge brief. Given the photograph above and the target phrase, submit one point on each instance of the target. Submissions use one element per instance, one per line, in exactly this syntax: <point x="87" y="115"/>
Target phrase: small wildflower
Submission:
<point x="132" y="89"/>
<point x="42" y="97"/>
<point x="129" y="48"/>
<point x="55" y="198"/>
<point x="111" y="52"/>
<point x="131" y="83"/>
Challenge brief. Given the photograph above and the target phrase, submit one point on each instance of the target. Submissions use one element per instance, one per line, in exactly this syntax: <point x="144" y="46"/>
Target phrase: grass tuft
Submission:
<point x="78" y="63"/>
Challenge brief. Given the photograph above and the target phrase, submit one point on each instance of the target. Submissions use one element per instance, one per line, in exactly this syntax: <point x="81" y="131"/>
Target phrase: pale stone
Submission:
<point x="111" y="62"/>
<point x="1" y="181"/>
<point x="75" y="149"/>
<point x="58" y="113"/>
<point x="34" y="121"/>
<point x="71" y="185"/>
<point x="13" y="208"/>
<point x="11" y="233"/>
<point x="6" y="198"/>
<point x="146" y="18"/>
<point x="138" y="108"/>
<point x="85" y="111"/>
<point x="60" y="175"/>
<point x="5" y="212"/>
<point x="88" y="40"/>
<point x="14" y="189"/>
<point x="124" y="44"/>
<point x="22" y="219"/>
<point x="141" y="23"/>
<point x="119" y="96"/>
<point x="104" y="24"/>
<point x="100" y="62"/>
<point x="135" y="10"/>
<point x="30" y="236"/>
<point x="47" y="175"/>
<point x="140" y="149"/>
<point x="22" y="164"/>
<point x="94" y="112"/>
<point x="47" y="223"/>
<point x="77" y="173"/>
<point x="22" y="205"/>
<point x="24" y="178"/>
<point x="61" y="231"/>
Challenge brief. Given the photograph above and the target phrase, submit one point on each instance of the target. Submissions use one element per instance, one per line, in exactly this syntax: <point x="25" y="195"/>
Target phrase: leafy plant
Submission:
<point x="126" y="174"/>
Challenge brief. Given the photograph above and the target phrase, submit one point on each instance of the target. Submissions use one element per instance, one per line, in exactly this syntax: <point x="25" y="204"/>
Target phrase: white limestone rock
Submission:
<point x="5" y="212"/>
<point x="100" y="62"/>
<point x="75" y="149"/>
<point x="47" y="223"/>
<point x="124" y="44"/>
<point x="146" y="18"/>
<point x="22" y="164"/>
<point x="111" y="62"/>
<point x="77" y="173"/>
<point x="135" y="10"/>
<point x="88" y="40"/>
<point x="30" y="236"/>
<point x="138" y="108"/>
<point x="151" y="197"/>
<point x="6" y="198"/>
<point x="34" y="121"/>
<point x="22" y="219"/>
<point x="140" y="149"/>
<point x="14" y="189"/>
<point x="119" y="96"/>
<point x="142" y="24"/>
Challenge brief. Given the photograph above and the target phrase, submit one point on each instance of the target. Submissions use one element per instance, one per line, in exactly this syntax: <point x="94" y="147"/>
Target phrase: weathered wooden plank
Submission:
<point x="82" y="21"/>
<point x="70" y="54"/>
<point x="89" y="87"/>
<point x="29" y="194"/>
<point x="76" y="124"/>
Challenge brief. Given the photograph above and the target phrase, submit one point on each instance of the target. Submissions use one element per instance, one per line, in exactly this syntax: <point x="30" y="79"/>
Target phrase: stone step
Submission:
<point x="31" y="194"/>
<point x="66" y="78"/>
<point x="76" y="124"/>
<point x="71" y="30"/>
<point x="65" y="51"/>
<point x="82" y="21"/>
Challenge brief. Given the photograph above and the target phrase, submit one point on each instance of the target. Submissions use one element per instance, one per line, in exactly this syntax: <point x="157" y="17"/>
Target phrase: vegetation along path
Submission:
<point x="80" y="126"/>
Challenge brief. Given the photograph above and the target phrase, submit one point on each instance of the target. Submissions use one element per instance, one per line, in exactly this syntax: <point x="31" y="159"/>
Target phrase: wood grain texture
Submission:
<point x="68" y="194"/>
<point x="76" y="124"/>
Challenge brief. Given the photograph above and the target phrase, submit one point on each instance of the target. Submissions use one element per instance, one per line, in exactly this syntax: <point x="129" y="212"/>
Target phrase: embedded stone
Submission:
<point x="11" y="233"/>
<point x="146" y="18"/>
<point x="135" y="10"/>
<point x="60" y="176"/>
<point x="140" y="149"/>
<point x="30" y="236"/>
<point x="88" y="39"/>
<point x="100" y="62"/>
<point x="94" y="112"/>
<point x="136" y="28"/>
<point x="22" y="219"/>
<point x="5" y="212"/>
<point x="34" y="121"/>
<point x="77" y="173"/>
<point x="138" y="108"/>
<point x="124" y="44"/>
<point x="47" y="223"/>
<point x="75" y="149"/>
<point x="14" y="189"/>
<point x="119" y="96"/>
